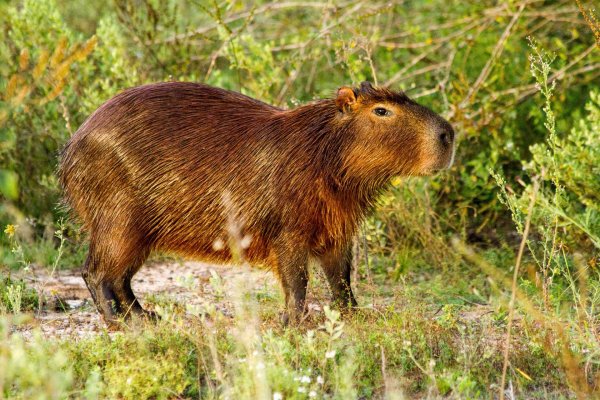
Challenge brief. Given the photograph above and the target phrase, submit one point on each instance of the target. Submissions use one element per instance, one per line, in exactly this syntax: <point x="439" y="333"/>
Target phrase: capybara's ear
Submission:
<point x="345" y="98"/>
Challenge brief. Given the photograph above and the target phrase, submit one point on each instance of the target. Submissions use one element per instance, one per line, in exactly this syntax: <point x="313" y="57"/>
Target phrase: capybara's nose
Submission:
<point x="445" y="134"/>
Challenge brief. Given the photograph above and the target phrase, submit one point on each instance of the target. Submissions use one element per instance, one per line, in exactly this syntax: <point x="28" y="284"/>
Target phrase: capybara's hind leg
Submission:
<point x="129" y="303"/>
<point x="108" y="276"/>
<point x="102" y="291"/>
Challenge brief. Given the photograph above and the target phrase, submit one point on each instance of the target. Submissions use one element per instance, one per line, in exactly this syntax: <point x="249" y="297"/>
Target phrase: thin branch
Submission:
<point x="443" y="39"/>
<point x="490" y="62"/>
<point x="511" y="305"/>
<point x="523" y="96"/>
<point x="525" y="91"/>
<point x="424" y="70"/>
<point x="399" y="75"/>
<point x="542" y="14"/>
<point x="299" y="54"/>
<point x="430" y="28"/>
<point x="242" y="15"/>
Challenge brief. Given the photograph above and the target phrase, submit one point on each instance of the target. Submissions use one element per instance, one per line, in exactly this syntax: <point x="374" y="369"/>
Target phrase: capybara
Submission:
<point x="181" y="167"/>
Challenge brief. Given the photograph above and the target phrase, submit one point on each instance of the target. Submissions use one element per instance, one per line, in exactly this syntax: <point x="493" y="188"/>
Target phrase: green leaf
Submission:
<point x="9" y="184"/>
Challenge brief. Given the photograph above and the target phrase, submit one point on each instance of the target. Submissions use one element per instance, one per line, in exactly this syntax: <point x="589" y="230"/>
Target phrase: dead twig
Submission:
<point x="245" y="14"/>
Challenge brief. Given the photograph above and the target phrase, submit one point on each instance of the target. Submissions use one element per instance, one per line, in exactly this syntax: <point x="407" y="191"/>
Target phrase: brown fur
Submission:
<point x="176" y="166"/>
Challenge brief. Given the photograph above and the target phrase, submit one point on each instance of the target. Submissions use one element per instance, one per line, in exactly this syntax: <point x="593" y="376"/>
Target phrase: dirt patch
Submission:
<point x="69" y="310"/>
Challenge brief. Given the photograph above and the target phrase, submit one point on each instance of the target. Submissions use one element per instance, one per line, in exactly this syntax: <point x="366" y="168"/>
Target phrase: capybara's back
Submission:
<point x="191" y="169"/>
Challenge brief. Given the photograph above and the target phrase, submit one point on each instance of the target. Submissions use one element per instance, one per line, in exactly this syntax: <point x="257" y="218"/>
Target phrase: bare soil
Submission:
<point x="68" y="309"/>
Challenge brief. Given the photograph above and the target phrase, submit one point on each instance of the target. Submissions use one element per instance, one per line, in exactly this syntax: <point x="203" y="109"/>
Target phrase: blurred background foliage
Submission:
<point x="468" y="60"/>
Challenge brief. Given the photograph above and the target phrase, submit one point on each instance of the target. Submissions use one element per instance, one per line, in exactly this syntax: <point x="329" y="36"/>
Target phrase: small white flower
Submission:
<point x="330" y="354"/>
<point x="301" y="389"/>
<point x="260" y="365"/>
<point x="312" y="394"/>
<point x="305" y="379"/>
<point x="277" y="396"/>
<point x="242" y="360"/>
<point x="320" y="380"/>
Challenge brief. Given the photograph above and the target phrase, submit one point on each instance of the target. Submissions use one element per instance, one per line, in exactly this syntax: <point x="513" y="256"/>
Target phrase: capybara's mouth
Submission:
<point x="436" y="169"/>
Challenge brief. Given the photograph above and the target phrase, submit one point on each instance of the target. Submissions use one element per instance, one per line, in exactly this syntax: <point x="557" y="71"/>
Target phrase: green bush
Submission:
<point x="569" y="169"/>
<point x="33" y="369"/>
<point x="16" y="296"/>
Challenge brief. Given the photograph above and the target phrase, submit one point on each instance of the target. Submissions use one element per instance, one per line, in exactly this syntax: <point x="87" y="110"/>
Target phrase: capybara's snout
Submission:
<point x="439" y="145"/>
<point x="445" y="136"/>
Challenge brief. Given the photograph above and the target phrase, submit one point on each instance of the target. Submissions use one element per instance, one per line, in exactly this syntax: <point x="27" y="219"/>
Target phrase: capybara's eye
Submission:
<point x="382" y="112"/>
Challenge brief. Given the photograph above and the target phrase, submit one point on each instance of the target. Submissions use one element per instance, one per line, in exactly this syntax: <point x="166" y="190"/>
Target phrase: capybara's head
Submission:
<point x="392" y="133"/>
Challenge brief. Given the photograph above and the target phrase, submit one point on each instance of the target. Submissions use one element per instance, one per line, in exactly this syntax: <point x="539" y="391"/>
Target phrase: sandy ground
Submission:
<point x="69" y="310"/>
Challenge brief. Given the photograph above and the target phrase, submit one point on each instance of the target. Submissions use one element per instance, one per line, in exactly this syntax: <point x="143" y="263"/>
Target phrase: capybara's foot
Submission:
<point x="113" y="324"/>
<point x="346" y="306"/>
<point x="149" y="315"/>
<point x="285" y="319"/>
<point x="121" y="322"/>
<point x="142" y="316"/>
<point x="293" y="319"/>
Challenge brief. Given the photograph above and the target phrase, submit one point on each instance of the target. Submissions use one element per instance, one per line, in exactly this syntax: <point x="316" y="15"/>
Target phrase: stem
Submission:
<point x="511" y="305"/>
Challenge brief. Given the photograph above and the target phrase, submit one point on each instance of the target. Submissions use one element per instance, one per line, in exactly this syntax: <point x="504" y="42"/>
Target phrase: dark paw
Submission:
<point x="113" y="324"/>
<point x="344" y="306"/>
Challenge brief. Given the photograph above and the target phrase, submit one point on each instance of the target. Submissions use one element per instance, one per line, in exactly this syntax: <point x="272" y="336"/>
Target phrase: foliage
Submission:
<point x="560" y="205"/>
<point x="16" y="296"/>
<point x="566" y="165"/>
<point x="439" y="331"/>
<point x="36" y="369"/>
<point x="406" y="351"/>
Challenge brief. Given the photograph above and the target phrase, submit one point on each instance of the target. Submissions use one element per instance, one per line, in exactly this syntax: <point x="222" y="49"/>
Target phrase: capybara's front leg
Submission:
<point x="337" y="265"/>
<point x="293" y="274"/>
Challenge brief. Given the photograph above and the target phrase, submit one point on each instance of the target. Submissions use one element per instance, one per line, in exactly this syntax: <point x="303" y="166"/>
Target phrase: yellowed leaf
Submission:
<point x="524" y="374"/>
<point x="24" y="59"/>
